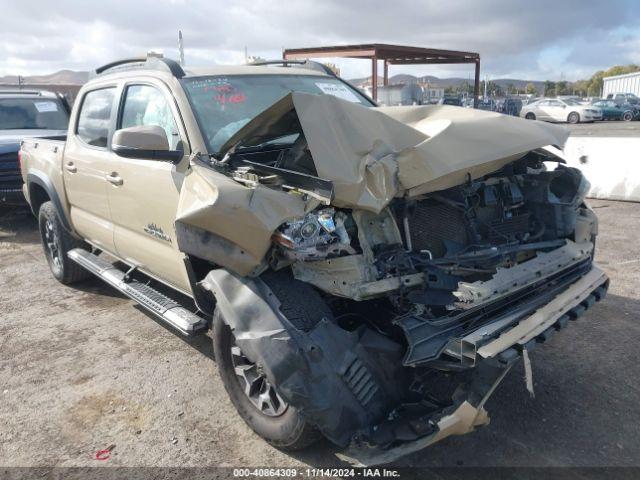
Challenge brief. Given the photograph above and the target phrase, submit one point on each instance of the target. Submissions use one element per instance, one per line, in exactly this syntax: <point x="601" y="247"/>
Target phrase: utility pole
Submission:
<point x="181" y="48"/>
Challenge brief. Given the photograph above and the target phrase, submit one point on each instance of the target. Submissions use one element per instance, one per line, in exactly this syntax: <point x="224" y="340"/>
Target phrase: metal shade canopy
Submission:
<point x="390" y="54"/>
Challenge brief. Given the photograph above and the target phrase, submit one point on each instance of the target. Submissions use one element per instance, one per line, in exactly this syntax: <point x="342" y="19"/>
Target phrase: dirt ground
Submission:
<point x="82" y="369"/>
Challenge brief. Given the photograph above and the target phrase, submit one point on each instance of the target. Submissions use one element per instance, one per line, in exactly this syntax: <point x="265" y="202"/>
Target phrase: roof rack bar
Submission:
<point x="308" y="64"/>
<point x="117" y="63"/>
<point x="19" y="90"/>
<point x="150" y="61"/>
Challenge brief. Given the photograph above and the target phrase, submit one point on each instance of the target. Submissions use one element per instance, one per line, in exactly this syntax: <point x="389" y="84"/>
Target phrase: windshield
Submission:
<point x="572" y="102"/>
<point x="224" y="104"/>
<point x="32" y="114"/>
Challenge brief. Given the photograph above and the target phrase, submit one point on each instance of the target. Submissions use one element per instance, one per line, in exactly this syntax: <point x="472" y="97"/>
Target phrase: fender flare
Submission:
<point x="310" y="369"/>
<point x="38" y="178"/>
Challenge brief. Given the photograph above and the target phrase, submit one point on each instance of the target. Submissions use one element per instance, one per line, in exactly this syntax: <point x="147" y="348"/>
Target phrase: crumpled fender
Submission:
<point x="226" y="223"/>
<point x="310" y="369"/>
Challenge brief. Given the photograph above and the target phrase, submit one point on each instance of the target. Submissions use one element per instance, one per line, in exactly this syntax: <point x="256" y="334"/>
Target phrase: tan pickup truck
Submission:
<point x="370" y="273"/>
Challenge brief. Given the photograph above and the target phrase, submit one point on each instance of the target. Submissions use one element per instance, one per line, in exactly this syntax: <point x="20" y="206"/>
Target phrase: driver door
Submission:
<point x="144" y="199"/>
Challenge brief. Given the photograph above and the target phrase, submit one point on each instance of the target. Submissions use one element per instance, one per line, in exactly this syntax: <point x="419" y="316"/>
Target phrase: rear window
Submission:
<point x="32" y="114"/>
<point x="95" y="114"/>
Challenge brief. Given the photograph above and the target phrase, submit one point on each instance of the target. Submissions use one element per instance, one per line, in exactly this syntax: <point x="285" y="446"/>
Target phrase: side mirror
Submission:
<point x="144" y="141"/>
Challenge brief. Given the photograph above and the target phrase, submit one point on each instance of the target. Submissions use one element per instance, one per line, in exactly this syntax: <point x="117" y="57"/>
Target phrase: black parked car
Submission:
<point x="26" y="113"/>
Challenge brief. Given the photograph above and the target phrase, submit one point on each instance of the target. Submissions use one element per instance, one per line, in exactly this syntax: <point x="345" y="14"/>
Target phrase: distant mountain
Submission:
<point x="447" y="82"/>
<point x="63" y="77"/>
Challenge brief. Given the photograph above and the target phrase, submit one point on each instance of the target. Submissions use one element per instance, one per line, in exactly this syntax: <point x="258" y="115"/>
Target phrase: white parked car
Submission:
<point x="561" y="110"/>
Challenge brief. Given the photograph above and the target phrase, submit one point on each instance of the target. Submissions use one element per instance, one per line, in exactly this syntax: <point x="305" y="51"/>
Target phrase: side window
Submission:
<point x="95" y="113"/>
<point x="146" y="105"/>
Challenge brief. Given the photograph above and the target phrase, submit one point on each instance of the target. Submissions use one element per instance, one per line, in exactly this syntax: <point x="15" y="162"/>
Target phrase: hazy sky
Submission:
<point x="532" y="39"/>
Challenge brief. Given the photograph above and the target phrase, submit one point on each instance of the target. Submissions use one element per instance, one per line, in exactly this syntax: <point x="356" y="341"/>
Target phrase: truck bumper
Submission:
<point x="492" y="359"/>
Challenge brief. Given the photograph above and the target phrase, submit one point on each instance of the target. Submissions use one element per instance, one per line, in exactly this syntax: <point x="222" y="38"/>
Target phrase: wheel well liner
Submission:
<point x="310" y="369"/>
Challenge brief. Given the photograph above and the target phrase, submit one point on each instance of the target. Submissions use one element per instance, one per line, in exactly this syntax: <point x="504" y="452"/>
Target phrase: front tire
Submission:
<point x="627" y="116"/>
<point x="573" y="118"/>
<point x="282" y="426"/>
<point x="530" y="116"/>
<point x="57" y="242"/>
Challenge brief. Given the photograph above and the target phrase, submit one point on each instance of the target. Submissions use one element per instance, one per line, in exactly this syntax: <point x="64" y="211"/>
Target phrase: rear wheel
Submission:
<point x="255" y="398"/>
<point x="57" y="242"/>
<point x="530" y="116"/>
<point x="573" y="117"/>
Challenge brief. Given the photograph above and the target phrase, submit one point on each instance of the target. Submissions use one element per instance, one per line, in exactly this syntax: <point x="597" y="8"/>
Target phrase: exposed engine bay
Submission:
<point x="434" y="296"/>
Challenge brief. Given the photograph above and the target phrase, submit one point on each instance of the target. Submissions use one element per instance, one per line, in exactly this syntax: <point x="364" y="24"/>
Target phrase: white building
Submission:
<point x="432" y="94"/>
<point x="627" y="83"/>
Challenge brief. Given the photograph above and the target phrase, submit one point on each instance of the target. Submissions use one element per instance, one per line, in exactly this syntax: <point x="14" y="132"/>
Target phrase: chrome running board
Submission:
<point x="165" y="308"/>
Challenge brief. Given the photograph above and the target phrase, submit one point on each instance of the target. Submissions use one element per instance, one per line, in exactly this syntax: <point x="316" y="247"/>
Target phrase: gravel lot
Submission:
<point x="82" y="369"/>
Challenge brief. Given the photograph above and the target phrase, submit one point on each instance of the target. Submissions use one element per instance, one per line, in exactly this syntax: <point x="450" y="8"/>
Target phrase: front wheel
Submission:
<point x="627" y="116"/>
<point x="57" y="242"/>
<point x="255" y="398"/>
<point x="573" y="117"/>
<point x="530" y="116"/>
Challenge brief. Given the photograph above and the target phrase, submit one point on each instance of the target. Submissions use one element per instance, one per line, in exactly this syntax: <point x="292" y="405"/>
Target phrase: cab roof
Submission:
<point x="171" y="67"/>
<point x="250" y="70"/>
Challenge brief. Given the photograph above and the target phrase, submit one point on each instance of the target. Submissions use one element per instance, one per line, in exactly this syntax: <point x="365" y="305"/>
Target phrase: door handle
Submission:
<point x="114" y="179"/>
<point x="71" y="168"/>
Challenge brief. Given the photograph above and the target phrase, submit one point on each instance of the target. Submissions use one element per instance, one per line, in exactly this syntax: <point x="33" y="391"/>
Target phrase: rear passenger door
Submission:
<point x="86" y="163"/>
<point x="145" y="201"/>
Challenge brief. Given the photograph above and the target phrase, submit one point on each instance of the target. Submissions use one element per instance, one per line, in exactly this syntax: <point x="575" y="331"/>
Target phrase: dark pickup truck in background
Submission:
<point x="23" y="114"/>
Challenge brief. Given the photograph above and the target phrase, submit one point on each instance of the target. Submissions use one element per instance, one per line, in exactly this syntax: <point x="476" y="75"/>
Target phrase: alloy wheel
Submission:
<point x="51" y="244"/>
<point x="256" y="386"/>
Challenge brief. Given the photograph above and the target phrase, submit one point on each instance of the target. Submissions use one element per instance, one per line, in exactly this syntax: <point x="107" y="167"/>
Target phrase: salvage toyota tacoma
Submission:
<point x="370" y="273"/>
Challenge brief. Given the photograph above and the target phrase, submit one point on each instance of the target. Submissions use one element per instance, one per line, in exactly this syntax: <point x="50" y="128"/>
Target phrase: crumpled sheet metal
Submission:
<point x="465" y="419"/>
<point x="374" y="154"/>
<point x="307" y="367"/>
<point x="467" y="414"/>
<point x="242" y="218"/>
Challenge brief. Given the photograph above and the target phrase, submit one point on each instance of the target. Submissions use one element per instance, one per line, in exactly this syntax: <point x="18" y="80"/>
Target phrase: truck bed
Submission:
<point x="43" y="156"/>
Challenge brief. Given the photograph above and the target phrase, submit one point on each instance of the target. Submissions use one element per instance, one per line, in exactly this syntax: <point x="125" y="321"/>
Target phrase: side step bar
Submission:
<point x="163" y="307"/>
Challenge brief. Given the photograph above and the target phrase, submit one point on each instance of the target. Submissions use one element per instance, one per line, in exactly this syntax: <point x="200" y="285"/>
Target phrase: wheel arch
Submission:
<point x="42" y="190"/>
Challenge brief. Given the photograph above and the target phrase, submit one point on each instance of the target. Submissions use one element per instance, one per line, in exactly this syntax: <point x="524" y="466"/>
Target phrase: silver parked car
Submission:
<point x="561" y="110"/>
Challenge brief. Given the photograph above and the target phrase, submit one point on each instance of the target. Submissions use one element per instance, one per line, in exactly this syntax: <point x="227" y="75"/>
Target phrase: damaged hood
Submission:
<point x="374" y="154"/>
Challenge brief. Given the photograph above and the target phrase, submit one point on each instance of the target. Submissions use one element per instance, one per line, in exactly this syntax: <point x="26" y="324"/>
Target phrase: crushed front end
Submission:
<point x="461" y="281"/>
<point x="443" y="258"/>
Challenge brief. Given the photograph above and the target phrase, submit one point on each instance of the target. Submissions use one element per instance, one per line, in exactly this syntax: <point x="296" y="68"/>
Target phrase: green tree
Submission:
<point x="562" y="88"/>
<point x="465" y="87"/>
<point x="549" y="88"/>
<point x="493" y="89"/>
<point x="531" y="89"/>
